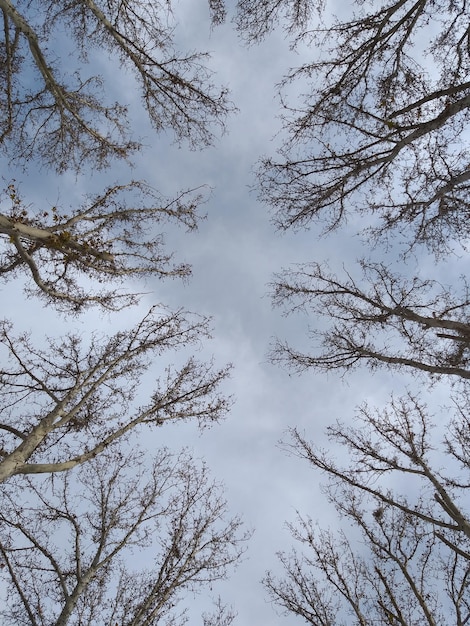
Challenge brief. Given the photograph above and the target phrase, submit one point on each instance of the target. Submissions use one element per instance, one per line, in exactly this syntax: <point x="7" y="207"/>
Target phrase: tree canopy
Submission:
<point x="379" y="132"/>
<point x="73" y="258"/>
<point x="99" y="534"/>
<point x="379" y="129"/>
<point x="64" y="405"/>
<point x="411" y="563"/>
<point x="62" y="118"/>
<point x="117" y="542"/>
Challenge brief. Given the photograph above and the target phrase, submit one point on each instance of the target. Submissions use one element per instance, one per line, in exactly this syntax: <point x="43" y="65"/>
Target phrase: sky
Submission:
<point x="234" y="255"/>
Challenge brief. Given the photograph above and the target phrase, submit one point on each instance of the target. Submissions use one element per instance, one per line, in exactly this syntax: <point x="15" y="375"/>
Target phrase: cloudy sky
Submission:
<point x="234" y="255"/>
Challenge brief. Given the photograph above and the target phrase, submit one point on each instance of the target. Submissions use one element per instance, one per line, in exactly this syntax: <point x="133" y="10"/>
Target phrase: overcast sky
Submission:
<point x="234" y="255"/>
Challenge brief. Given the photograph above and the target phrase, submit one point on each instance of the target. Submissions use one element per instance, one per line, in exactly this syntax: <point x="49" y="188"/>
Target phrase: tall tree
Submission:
<point x="57" y="114"/>
<point x="382" y="319"/>
<point x="63" y="405"/>
<point x="113" y="236"/>
<point x="411" y="565"/>
<point x="75" y="256"/>
<point x="62" y="118"/>
<point x="69" y="410"/>
<point x="117" y="542"/>
<point x="378" y="132"/>
<point x="380" y="128"/>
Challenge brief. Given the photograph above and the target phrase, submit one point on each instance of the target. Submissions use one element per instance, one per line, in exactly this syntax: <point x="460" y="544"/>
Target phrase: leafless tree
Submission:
<point x="383" y="319"/>
<point x="69" y="410"/>
<point x="54" y="110"/>
<point x="410" y="563"/>
<point x="381" y="127"/>
<point x="111" y="237"/>
<point x="256" y="19"/>
<point x="379" y="132"/>
<point x="115" y="542"/>
<point x="221" y="616"/>
<point x="218" y="11"/>
<point x="63" y="405"/>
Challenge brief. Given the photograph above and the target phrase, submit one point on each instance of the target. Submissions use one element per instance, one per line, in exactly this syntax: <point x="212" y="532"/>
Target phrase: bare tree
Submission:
<point x="68" y="410"/>
<point x="410" y="564"/>
<point x="116" y="542"/>
<point x="382" y="320"/>
<point x="63" y="405"/>
<point x="111" y="237"/>
<point x="52" y="108"/>
<point x="380" y="130"/>
<point x="221" y="616"/>
<point x="256" y="19"/>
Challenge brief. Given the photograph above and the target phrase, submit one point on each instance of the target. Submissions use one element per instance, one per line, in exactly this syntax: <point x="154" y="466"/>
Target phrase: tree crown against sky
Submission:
<point x="380" y="132"/>
<point x="56" y="113"/>
<point x="113" y="236"/>
<point x="55" y="110"/>
<point x="72" y="407"/>
<point x="380" y="128"/>
<point x="411" y="563"/>
<point x="103" y="253"/>
<point x="64" y="405"/>
<point x="382" y="318"/>
<point x="72" y="259"/>
<point x="121" y="541"/>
